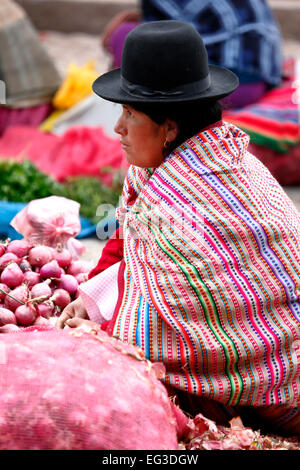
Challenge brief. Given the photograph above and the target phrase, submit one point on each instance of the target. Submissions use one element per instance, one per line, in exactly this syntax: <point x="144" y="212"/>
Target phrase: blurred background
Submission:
<point x="79" y="23"/>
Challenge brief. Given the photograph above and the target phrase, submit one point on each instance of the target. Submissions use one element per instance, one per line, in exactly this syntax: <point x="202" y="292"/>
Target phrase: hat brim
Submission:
<point x="223" y="83"/>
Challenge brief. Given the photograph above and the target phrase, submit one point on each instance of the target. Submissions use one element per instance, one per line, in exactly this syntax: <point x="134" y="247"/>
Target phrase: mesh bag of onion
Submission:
<point x="62" y="390"/>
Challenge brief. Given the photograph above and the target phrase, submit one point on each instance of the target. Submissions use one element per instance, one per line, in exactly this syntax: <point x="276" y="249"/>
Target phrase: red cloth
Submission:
<point x="285" y="167"/>
<point x="112" y="253"/>
<point x="80" y="151"/>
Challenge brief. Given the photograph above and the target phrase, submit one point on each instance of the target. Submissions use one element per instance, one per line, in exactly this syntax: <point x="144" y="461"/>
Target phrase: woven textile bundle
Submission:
<point x="28" y="72"/>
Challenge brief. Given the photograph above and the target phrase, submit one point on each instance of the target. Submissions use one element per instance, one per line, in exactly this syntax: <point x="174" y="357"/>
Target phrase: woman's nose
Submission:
<point x="119" y="127"/>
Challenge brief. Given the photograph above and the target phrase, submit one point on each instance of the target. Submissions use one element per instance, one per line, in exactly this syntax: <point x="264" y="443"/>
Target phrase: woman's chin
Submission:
<point x="131" y="158"/>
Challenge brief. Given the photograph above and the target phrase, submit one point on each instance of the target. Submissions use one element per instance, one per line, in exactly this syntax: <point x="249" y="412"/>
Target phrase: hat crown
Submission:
<point x="162" y="55"/>
<point x="165" y="62"/>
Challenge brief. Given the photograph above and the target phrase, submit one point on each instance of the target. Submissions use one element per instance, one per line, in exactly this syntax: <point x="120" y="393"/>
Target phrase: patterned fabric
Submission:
<point x="274" y="121"/>
<point x="100" y="294"/>
<point x="239" y="34"/>
<point x="211" y="279"/>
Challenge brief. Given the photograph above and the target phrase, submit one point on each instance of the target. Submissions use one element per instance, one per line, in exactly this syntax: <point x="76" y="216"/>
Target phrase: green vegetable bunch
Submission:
<point x="23" y="182"/>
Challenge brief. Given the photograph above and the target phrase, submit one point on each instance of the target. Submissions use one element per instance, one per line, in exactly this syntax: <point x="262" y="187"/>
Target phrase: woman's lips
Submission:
<point x="123" y="145"/>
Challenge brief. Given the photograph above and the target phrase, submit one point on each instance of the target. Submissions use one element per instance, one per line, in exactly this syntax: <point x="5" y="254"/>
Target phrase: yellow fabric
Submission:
<point x="76" y="86"/>
<point x="49" y="123"/>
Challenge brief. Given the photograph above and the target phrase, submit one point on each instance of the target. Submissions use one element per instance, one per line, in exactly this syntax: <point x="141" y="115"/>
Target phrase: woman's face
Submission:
<point x="143" y="139"/>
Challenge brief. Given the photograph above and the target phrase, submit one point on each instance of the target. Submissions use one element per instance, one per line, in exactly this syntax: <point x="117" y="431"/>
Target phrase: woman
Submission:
<point x="242" y="35"/>
<point x="204" y="270"/>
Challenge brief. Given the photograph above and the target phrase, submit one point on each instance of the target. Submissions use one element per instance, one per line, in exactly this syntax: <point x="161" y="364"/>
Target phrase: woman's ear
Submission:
<point x="172" y="130"/>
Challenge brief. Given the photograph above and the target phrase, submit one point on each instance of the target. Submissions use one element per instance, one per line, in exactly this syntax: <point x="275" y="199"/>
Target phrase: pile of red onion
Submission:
<point x="37" y="282"/>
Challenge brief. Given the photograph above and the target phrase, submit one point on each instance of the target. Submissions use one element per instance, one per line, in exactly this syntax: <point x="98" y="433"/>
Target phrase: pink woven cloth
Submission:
<point x="100" y="294"/>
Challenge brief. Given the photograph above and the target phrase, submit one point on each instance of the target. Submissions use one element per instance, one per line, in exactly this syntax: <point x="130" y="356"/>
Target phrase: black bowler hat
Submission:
<point x="165" y="62"/>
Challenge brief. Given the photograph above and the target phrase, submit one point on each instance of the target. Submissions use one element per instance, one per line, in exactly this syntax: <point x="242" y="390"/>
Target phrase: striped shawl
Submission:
<point x="211" y="280"/>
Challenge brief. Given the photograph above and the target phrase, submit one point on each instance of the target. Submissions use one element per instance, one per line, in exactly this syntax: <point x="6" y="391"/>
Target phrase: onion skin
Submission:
<point x="7" y="290"/>
<point x="12" y="275"/>
<point x="51" y="269"/>
<point x="31" y="278"/>
<point x="9" y="328"/>
<point x="68" y="283"/>
<point x="63" y="257"/>
<point x="39" y="255"/>
<point x="45" y="310"/>
<point x="81" y="277"/>
<point x="40" y="320"/>
<point x="61" y="298"/>
<point x="2" y="249"/>
<point x="19" y="247"/>
<point x="8" y="258"/>
<point x="41" y="289"/>
<point x="77" y="267"/>
<point x="19" y="293"/>
<point x="25" y="266"/>
<point x="25" y="315"/>
<point x="7" y="317"/>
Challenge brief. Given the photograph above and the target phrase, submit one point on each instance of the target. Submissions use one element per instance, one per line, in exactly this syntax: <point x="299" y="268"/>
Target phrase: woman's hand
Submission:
<point x="87" y="325"/>
<point x="75" y="309"/>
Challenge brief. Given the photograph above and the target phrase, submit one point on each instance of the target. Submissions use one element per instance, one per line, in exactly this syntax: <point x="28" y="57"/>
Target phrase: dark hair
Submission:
<point x="191" y="117"/>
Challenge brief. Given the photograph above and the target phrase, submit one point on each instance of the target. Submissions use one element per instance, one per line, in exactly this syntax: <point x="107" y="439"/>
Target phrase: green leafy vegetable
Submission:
<point x="23" y="182"/>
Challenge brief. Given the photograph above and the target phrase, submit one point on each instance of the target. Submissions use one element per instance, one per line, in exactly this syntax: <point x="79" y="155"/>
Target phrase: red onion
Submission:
<point x="40" y="320"/>
<point x="61" y="298"/>
<point x="68" y="283"/>
<point x="9" y="328"/>
<point x="25" y="266"/>
<point x="2" y="249"/>
<point x="31" y="278"/>
<point x="81" y="277"/>
<point x="46" y="309"/>
<point x="8" y="258"/>
<point x="18" y="295"/>
<point x="77" y="295"/>
<point x="6" y="289"/>
<point x="63" y="257"/>
<point x="39" y="255"/>
<point x="40" y="290"/>
<point x="25" y="315"/>
<point x="78" y="266"/>
<point x="19" y="247"/>
<point x="6" y="317"/>
<point x="12" y="275"/>
<point x="50" y="269"/>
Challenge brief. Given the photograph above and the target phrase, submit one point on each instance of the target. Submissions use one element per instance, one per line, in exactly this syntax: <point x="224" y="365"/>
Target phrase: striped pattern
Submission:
<point x="274" y="120"/>
<point x="212" y="254"/>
